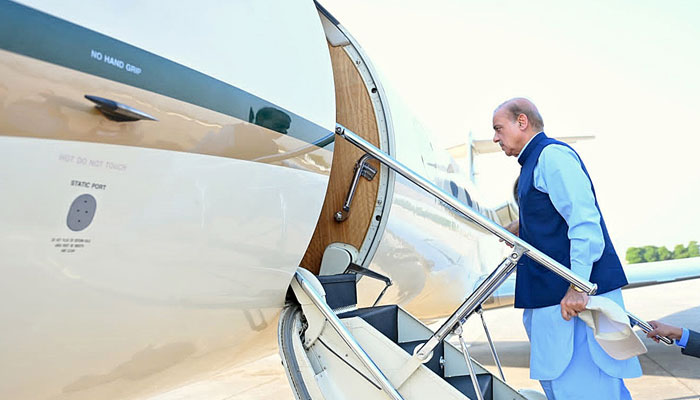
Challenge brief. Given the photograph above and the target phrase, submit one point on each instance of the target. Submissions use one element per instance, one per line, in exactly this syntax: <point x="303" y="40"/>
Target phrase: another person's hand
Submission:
<point x="513" y="227"/>
<point x="661" y="329"/>
<point x="573" y="303"/>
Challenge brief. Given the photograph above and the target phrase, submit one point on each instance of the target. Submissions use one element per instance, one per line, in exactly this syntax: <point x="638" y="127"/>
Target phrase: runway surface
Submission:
<point x="667" y="374"/>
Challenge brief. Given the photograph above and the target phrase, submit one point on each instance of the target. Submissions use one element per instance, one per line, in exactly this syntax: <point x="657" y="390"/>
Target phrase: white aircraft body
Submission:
<point x="166" y="169"/>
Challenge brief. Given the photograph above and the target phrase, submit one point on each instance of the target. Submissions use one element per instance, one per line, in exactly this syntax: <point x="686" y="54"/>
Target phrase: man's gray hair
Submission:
<point x="520" y="105"/>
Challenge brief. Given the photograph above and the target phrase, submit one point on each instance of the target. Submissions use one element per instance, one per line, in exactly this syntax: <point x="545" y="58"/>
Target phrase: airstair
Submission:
<point x="333" y="350"/>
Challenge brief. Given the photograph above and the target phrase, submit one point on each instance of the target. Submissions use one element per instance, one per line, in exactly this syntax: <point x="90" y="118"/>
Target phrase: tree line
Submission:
<point x="636" y="255"/>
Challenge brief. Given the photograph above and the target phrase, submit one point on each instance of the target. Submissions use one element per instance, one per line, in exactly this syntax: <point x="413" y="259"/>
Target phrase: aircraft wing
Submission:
<point x="638" y="275"/>
<point x="654" y="273"/>
<point x="488" y="146"/>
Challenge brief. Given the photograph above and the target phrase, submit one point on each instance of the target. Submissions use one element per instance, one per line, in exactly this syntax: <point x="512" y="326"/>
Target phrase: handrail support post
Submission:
<point x="475" y="299"/>
<point x="494" y="354"/>
<point x="459" y="330"/>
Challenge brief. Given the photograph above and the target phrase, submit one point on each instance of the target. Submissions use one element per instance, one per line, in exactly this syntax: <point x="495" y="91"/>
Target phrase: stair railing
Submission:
<point x="347" y="337"/>
<point x="505" y="268"/>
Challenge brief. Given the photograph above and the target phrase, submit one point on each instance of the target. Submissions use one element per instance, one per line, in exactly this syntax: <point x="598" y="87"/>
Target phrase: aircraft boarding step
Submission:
<point x="386" y="318"/>
<point x="318" y="348"/>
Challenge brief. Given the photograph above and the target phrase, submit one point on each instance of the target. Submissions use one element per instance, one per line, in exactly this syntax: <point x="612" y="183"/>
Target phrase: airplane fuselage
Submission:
<point x="142" y="255"/>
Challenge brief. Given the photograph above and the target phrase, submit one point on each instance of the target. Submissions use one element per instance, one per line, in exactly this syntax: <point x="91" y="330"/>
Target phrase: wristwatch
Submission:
<point x="576" y="288"/>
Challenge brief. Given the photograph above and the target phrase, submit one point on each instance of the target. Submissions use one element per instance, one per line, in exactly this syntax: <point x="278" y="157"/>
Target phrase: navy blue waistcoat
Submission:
<point x="542" y="226"/>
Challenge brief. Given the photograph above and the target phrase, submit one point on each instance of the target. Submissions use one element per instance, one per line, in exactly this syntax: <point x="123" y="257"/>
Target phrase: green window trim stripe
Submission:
<point x="29" y="32"/>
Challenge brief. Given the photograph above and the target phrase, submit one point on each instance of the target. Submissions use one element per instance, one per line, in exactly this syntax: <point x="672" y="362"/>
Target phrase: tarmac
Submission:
<point x="667" y="373"/>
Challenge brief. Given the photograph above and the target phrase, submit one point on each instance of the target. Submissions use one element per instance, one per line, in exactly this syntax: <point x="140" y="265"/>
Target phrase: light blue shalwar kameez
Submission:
<point x="564" y="355"/>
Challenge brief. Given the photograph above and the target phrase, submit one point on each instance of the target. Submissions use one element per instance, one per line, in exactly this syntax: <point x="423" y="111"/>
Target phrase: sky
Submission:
<point x="623" y="71"/>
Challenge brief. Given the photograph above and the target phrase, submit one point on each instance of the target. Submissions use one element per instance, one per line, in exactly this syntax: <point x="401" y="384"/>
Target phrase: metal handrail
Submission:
<point x="344" y="334"/>
<point x="470" y="214"/>
<point x="484" y="223"/>
<point x="646" y="327"/>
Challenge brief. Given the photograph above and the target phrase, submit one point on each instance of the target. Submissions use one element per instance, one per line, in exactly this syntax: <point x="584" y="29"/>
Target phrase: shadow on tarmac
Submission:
<point x="660" y="360"/>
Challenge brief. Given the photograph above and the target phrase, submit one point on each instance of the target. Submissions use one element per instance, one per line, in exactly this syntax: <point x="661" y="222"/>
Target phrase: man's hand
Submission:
<point x="661" y="329"/>
<point x="573" y="303"/>
<point x="513" y="227"/>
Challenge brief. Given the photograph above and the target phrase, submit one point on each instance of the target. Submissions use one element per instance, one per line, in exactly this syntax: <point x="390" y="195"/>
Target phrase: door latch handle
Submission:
<point x="117" y="111"/>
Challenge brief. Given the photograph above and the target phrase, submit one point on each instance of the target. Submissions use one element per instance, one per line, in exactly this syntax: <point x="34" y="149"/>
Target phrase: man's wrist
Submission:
<point x="576" y="288"/>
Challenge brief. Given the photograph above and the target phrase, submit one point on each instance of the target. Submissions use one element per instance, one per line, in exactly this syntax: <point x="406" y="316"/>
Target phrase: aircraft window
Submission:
<point x="491" y="215"/>
<point x="454" y="189"/>
<point x="271" y="118"/>
<point x="469" y="199"/>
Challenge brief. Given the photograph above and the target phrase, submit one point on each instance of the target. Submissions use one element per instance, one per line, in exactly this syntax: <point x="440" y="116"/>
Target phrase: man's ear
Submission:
<point x="522" y="121"/>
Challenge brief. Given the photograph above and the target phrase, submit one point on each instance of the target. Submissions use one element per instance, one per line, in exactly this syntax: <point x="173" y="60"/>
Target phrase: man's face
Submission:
<point x="507" y="133"/>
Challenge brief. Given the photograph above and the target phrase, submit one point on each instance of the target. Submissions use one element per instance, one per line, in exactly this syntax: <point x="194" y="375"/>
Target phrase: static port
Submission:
<point x="80" y="218"/>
